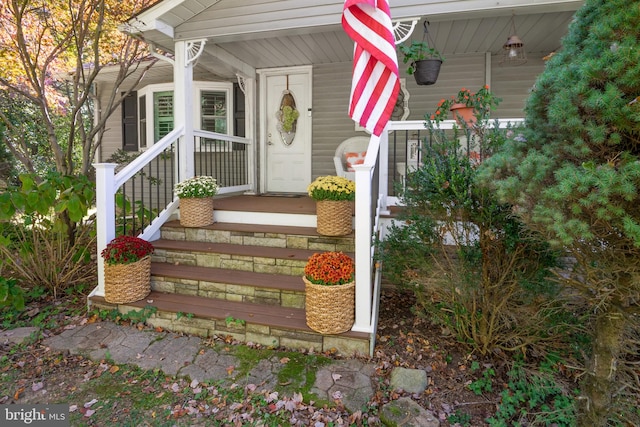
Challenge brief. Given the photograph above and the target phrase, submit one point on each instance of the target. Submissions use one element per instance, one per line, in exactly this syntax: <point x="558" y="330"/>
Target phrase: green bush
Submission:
<point x="11" y="294"/>
<point x="46" y="238"/>
<point x="471" y="263"/>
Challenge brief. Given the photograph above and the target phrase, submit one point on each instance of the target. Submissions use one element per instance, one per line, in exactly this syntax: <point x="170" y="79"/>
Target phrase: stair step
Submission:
<point x="235" y="277"/>
<point x="231" y="285"/>
<point x="233" y="249"/>
<point x="258" y="323"/>
<point x="280" y="236"/>
<point x="253" y="228"/>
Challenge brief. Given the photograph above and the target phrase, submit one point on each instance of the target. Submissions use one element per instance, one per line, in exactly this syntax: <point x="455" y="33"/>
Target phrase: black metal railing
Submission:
<point x="224" y="157"/>
<point x="143" y="196"/>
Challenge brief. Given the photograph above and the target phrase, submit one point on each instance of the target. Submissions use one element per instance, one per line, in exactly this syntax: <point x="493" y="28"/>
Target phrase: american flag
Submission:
<point x="375" y="84"/>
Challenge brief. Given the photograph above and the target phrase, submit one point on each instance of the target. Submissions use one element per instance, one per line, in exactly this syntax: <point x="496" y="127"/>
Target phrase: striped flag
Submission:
<point x="375" y="84"/>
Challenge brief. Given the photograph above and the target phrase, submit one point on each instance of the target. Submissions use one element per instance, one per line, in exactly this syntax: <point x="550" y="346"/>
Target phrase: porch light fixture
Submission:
<point x="514" y="53"/>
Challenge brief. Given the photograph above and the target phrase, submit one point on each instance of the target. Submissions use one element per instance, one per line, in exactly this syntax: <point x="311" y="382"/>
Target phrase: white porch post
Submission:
<point x="183" y="108"/>
<point x="363" y="226"/>
<point x="250" y="99"/>
<point x="383" y="182"/>
<point x="105" y="215"/>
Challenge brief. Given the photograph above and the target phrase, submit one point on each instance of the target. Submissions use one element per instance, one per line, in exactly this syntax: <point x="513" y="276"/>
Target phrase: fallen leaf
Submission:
<point x="114" y="369"/>
<point x="37" y="386"/>
<point x="73" y="408"/>
<point x="336" y="377"/>
<point x="194" y="383"/>
<point x="230" y="369"/>
<point x="18" y="392"/>
<point x="175" y="387"/>
<point x="89" y="412"/>
<point x="284" y="360"/>
<point x="90" y="403"/>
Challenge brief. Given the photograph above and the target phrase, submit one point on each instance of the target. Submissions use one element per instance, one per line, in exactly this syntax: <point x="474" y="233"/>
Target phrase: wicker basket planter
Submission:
<point x="196" y="212"/>
<point x="124" y="283"/>
<point x="335" y="217"/>
<point x="330" y="309"/>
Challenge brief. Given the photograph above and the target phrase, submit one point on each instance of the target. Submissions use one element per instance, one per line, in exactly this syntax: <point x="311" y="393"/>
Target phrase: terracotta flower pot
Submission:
<point x="463" y="114"/>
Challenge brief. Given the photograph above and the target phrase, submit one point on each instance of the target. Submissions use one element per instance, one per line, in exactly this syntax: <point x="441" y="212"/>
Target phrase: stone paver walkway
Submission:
<point x="174" y="354"/>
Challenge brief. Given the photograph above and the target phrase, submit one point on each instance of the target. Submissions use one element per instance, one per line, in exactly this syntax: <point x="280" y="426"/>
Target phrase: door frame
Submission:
<point x="270" y="72"/>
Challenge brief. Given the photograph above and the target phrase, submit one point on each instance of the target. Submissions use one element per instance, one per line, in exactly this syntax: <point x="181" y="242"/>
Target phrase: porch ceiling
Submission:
<point x="283" y="33"/>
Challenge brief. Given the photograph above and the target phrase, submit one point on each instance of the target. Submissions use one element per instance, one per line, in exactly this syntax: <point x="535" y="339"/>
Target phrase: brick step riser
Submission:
<point x="274" y="240"/>
<point x="245" y="331"/>
<point x="255" y="264"/>
<point x="230" y="292"/>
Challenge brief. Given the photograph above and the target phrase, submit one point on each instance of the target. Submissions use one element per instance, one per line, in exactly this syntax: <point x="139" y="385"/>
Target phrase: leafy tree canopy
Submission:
<point x="51" y="52"/>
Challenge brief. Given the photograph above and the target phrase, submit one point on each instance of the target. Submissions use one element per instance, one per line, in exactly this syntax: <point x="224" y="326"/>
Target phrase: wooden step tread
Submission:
<point x="234" y="277"/>
<point x="211" y="308"/>
<point x="232" y="249"/>
<point x="258" y="228"/>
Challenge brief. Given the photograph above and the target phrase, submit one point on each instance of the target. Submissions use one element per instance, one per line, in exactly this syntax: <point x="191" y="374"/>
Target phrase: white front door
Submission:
<point x="286" y="162"/>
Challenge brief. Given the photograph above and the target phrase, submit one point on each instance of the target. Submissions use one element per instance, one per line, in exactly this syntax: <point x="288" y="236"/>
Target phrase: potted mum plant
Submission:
<point x="424" y="61"/>
<point x="196" y="200"/>
<point x="329" y="279"/>
<point x="467" y="107"/>
<point x="334" y="196"/>
<point x="127" y="269"/>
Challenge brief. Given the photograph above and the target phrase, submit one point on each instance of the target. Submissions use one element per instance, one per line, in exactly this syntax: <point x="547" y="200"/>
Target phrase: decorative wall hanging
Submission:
<point x="287" y="116"/>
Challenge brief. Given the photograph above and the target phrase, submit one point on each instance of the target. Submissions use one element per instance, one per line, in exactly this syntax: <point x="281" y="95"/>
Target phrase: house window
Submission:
<point x="213" y="102"/>
<point x="162" y="114"/>
<point x="213" y="118"/>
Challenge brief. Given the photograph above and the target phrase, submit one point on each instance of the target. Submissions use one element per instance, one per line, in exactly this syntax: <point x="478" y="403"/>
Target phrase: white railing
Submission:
<point x="108" y="183"/>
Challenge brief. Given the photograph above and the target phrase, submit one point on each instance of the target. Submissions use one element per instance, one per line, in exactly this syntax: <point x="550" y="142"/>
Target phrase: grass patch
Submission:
<point x="296" y="373"/>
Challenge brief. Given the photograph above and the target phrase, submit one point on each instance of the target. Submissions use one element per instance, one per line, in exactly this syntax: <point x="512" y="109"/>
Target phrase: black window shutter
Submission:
<point x="238" y="111"/>
<point x="130" y="122"/>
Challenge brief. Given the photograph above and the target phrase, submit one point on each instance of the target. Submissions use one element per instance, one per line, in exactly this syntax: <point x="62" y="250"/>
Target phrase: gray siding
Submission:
<point x="332" y="85"/>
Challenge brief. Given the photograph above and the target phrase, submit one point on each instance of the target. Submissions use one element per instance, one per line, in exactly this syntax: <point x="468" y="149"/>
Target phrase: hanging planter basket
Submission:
<point x="426" y="71"/>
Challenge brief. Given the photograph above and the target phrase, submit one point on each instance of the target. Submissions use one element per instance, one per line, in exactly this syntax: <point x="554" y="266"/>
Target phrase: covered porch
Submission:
<point x="280" y="47"/>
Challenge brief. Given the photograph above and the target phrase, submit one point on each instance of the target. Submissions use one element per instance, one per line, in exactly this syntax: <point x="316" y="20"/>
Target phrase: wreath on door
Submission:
<point x="287" y="116"/>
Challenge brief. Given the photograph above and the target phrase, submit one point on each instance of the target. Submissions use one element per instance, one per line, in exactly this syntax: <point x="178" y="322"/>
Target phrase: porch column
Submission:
<point x="250" y="99"/>
<point x="363" y="227"/>
<point x="183" y="108"/>
<point x="383" y="176"/>
<point x="105" y="215"/>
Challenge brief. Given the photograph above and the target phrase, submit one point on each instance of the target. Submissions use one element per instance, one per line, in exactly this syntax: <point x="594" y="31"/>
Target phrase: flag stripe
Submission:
<point x="375" y="83"/>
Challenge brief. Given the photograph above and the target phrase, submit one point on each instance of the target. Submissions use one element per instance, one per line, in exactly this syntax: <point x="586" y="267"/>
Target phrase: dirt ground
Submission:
<point x="410" y="341"/>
